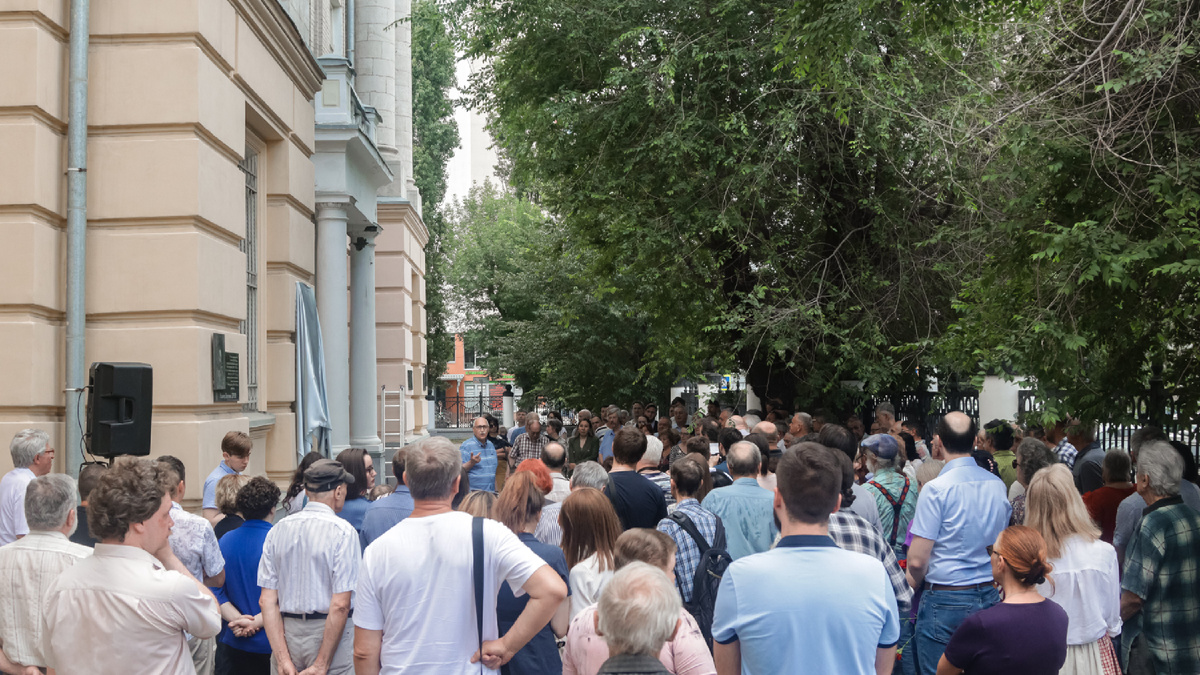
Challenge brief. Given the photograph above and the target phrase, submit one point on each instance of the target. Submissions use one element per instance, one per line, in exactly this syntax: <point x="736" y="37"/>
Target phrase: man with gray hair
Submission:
<point x="647" y="466"/>
<point x="800" y="426"/>
<point x="30" y="565"/>
<point x="421" y="615"/>
<point x="885" y="418"/>
<point x="586" y="474"/>
<point x="32" y="456"/>
<point x="1160" y="582"/>
<point x="1129" y="512"/>
<point x="745" y="508"/>
<point x="638" y="612"/>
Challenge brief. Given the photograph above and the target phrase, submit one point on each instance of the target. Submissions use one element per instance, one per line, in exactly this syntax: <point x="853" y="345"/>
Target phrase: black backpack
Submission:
<point x="713" y="562"/>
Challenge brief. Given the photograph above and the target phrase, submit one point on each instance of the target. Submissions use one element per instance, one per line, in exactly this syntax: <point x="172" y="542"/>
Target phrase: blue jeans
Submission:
<point x="908" y="646"/>
<point x="940" y="614"/>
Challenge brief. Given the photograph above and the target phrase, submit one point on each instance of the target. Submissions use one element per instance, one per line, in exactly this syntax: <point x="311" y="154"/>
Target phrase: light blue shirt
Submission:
<point x="606" y="441"/>
<point x="483" y="475"/>
<point x="806" y="606"/>
<point x="962" y="511"/>
<point x="210" y="484"/>
<point x="514" y="432"/>
<point x="748" y="512"/>
<point x="385" y="512"/>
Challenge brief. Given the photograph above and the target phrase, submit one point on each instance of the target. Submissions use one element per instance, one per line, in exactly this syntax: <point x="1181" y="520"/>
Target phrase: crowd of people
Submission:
<point x="691" y="544"/>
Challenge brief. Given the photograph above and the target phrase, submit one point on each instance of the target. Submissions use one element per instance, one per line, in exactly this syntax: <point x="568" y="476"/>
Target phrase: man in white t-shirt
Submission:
<point x="420" y="616"/>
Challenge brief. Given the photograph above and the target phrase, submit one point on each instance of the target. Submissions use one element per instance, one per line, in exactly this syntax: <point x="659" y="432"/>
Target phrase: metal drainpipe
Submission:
<point x="350" y="32"/>
<point x="77" y="93"/>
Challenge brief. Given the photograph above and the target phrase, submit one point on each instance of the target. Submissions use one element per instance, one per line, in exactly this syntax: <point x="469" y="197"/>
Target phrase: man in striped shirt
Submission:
<point x="31" y="564"/>
<point x="309" y="568"/>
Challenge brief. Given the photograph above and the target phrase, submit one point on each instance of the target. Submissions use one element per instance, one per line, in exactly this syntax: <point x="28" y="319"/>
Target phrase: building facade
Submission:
<point x="236" y="148"/>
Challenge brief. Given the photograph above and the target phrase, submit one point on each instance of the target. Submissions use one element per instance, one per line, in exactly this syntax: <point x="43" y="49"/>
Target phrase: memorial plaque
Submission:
<point x="226" y="382"/>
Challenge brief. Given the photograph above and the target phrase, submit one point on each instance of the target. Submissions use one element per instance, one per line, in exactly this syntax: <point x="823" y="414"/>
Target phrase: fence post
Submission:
<point x="508" y="412"/>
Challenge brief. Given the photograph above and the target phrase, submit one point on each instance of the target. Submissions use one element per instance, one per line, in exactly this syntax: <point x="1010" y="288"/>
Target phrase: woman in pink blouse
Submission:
<point x="685" y="654"/>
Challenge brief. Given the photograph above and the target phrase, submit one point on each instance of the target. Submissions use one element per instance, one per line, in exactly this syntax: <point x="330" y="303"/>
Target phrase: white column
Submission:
<point x="998" y="399"/>
<point x="364" y="426"/>
<point x="375" y="66"/>
<point x="508" y="410"/>
<point x="331" y="310"/>
<point x="404" y="126"/>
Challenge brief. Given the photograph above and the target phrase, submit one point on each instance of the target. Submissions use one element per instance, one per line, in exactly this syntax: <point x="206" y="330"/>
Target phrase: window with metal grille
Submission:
<point x="249" y="246"/>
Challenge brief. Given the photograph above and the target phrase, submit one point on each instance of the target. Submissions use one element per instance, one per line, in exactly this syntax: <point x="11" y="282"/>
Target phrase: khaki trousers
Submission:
<point x="303" y="638"/>
<point x="204" y="655"/>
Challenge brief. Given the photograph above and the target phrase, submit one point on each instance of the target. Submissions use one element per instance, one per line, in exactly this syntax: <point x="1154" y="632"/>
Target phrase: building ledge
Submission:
<point x="260" y="420"/>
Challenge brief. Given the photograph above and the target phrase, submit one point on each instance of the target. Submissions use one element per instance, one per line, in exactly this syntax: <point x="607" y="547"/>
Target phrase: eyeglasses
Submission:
<point x="989" y="549"/>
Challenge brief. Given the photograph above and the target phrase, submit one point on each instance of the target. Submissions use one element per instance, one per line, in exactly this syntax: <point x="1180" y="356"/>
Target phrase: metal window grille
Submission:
<point x="249" y="246"/>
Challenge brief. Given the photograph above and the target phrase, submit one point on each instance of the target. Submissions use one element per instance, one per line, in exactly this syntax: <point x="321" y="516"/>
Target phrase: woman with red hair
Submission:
<point x="1025" y="633"/>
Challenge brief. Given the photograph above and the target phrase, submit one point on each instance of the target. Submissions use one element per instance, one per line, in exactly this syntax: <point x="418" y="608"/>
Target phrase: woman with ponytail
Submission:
<point x="1087" y="582"/>
<point x="1025" y="633"/>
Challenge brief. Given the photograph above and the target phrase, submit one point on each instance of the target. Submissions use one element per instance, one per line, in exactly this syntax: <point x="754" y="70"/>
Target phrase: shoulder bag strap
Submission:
<point x="896" y="507"/>
<point x="685" y="523"/>
<point x="477" y="560"/>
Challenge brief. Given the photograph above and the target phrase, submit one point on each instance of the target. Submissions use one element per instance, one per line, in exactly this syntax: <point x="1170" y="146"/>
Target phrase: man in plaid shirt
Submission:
<point x="686" y="476"/>
<point x="855" y="533"/>
<point x="1162" y="571"/>
<point x="1063" y="448"/>
<point x="530" y="444"/>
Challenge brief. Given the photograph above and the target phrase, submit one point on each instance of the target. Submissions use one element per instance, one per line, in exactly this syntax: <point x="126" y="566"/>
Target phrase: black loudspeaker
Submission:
<point x="119" y="403"/>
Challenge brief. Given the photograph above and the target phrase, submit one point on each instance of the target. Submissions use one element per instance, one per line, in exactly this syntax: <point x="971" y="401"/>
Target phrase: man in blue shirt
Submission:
<point x="479" y="457"/>
<point x="607" y="434"/>
<point x="821" y="609"/>
<point x="959" y="514"/>
<point x="235" y="456"/>
<point x="744" y="507"/>
<point x="388" y="510"/>
<point x="242" y="646"/>
<point x="518" y="428"/>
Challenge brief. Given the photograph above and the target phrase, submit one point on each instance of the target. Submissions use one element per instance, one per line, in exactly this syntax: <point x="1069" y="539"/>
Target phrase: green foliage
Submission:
<point x="435" y="136"/>
<point x="1091" y="281"/>
<point x="745" y="218"/>
<point x="857" y="189"/>
<point x="525" y="293"/>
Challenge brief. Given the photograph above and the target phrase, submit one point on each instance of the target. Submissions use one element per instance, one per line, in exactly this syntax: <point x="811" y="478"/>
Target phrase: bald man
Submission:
<point x="960" y="513"/>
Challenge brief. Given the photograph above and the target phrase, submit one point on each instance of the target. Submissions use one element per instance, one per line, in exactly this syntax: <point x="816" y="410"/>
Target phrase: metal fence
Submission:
<point x="1148" y="408"/>
<point x="457" y="412"/>
<point x="924" y="409"/>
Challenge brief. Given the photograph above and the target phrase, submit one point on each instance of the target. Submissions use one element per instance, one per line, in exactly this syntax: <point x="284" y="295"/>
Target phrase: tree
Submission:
<point x="1091" y="178"/>
<point x="748" y="219"/>
<point x="522" y="287"/>
<point x="435" y="136"/>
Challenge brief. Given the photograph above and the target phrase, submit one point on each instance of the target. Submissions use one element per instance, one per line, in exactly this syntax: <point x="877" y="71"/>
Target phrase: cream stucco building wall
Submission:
<point x="203" y="201"/>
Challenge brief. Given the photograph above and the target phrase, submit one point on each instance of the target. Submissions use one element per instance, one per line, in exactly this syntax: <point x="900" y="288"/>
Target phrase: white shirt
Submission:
<point x="416" y="585"/>
<point x="195" y="544"/>
<point x="1015" y="490"/>
<point x="12" y="504"/>
<point x="1087" y="585"/>
<point x="120" y="611"/>
<point x="586" y="583"/>
<point x="562" y="487"/>
<point x="308" y="557"/>
<point x="27" y="568"/>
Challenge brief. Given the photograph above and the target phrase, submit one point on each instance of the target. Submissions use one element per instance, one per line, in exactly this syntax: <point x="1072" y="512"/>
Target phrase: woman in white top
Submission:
<point x="590" y="528"/>
<point x="1085" y="580"/>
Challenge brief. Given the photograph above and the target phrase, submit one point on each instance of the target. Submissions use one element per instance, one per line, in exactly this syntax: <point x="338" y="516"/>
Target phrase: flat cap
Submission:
<point x="882" y="446"/>
<point x="325" y="475"/>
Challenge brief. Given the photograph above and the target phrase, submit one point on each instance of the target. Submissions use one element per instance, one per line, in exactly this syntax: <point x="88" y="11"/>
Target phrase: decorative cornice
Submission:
<point x="269" y="20"/>
<point x="401" y="210"/>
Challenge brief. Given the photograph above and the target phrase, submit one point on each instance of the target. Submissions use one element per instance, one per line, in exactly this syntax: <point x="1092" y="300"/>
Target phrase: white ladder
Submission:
<point x="391" y="424"/>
